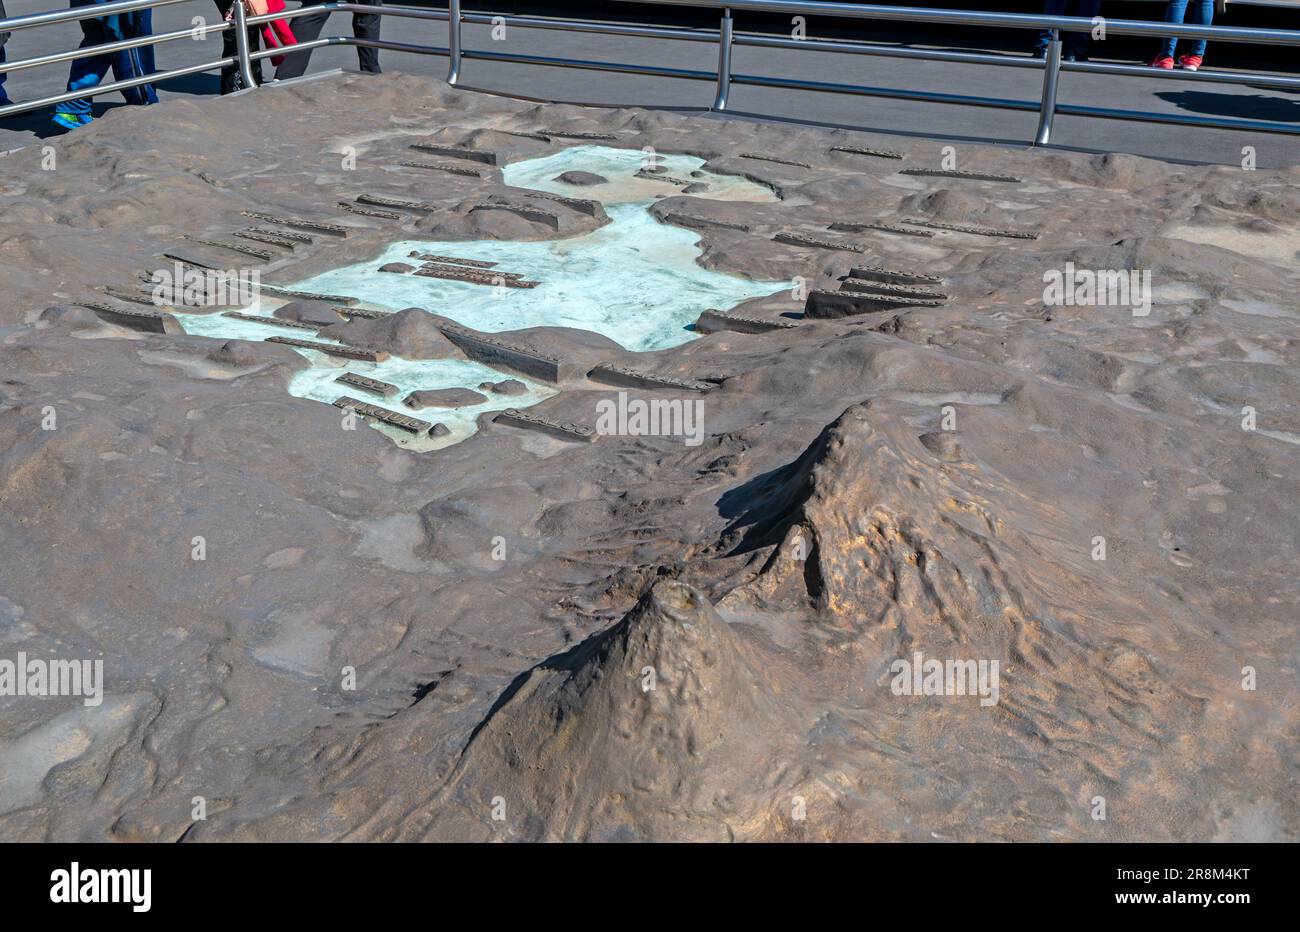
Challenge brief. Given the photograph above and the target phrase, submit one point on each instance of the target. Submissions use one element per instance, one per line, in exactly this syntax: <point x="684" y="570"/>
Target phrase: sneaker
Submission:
<point x="69" y="120"/>
<point x="1190" y="62"/>
<point x="1162" y="61"/>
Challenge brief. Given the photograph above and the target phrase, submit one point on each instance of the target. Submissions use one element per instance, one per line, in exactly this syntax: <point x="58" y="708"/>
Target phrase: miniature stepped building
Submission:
<point x="375" y="212"/>
<point x="475" y="276"/>
<point x="396" y="203"/>
<point x="879" y="226"/>
<point x="772" y="158"/>
<point x="457" y="152"/>
<point x="817" y="242"/>
<point x="582" y="205"/>
<point x="954" y="173"/>
<point x="443" y="167"/>
<point x="690" y="221"/>
<point x="308" y="295"/>
<point x="826" y="305"/>
<point x="885" y="288"/>
<point x="564" y="430"/>
<point x="893" y="276"/>
<point x="343" y="352"/>
<point x="609" y="374"/>
<point x="373" y="412"/>
<point x="272" y="321"/>
<point x="713" y="320"/>
<point x="330" y="229"/>
<point x="146" y="321"/>
<point x="656" y="174"/>
<point x="500" y="354"/>
<point x="968" y="228"/>
<point x="528" y="212"/>
<point x="575" y="134"/>
<point x="450" y="260"/>
<point x="871" y="290"/>
<point x="262" y="254"/>
<point x="270" y="239"/>
<point x="864" y="150"/>
<point x="292" y="236"/>
<point x="367" y="384"/>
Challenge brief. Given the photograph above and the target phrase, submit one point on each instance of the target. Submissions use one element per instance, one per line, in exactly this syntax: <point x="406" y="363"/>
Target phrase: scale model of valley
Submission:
<point x="634" y="279"/>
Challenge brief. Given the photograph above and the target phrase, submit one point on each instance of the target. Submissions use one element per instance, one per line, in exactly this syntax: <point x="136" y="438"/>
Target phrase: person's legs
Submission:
<point x="86" y="72"/>
<point x="4" y="37"/>
<point x="1076" y="43"/>
<point x="305" y="29"/>
<point x="1050" y="8"/>
<point x="4" y="98"/>
<point x="230" y="79"/>
<point x="366" y="26"/>
<point x="1174" y="13"/>
<point x="1202" y="15"/>
<point x="137" y="62"/>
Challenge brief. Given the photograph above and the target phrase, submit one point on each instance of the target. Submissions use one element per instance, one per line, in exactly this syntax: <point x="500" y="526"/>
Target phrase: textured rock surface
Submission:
<point x="865" y="488"/>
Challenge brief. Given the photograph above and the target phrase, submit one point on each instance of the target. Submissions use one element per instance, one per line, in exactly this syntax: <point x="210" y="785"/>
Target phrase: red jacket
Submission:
<point x="277" y="34"/>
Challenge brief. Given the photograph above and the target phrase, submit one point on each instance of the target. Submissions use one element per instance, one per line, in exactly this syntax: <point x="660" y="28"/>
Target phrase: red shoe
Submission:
<point x="1190" y="62"/>
<point x="1162" y="61"/>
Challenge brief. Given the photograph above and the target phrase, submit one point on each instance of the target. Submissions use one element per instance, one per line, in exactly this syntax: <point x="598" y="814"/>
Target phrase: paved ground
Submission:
<point x="895" y="116"/>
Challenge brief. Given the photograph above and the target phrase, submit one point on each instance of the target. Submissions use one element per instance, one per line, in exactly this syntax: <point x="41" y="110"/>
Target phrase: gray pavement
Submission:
<point x="902" y="117"/>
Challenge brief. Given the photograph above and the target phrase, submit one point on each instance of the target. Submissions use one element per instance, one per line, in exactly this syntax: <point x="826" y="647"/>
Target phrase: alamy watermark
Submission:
<point x="657" y="417"/>
<point x="921" y="677"/>
<point x="1074" y="287"/>
<point x="195" y="287"/>
<point x="32" y="676"/>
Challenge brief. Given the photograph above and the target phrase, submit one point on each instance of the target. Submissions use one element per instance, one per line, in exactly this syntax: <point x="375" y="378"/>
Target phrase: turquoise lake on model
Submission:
<point x="634" y="280"/>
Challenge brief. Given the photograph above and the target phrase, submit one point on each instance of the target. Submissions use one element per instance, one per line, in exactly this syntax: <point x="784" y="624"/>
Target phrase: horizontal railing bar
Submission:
<point x="1015" y="61"/>
<point x="94" y="11"/>
<point x="404" y="12"/>
<point x="829" y="87"/>
<point x="349" y="40"/>
<point x="1262" y="126"/>
<point x="1209" y="77"/>
<point x="155" y="78"/>
<point x="107" y="48"/>
<point x="913" y="14"/>
<point x="888" y="51"/>
<point x="641" y="32"/>
<point x="585" y="65"/>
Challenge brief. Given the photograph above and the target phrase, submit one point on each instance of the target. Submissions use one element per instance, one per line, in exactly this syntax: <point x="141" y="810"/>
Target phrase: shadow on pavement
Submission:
<point x="1255" y="107"/>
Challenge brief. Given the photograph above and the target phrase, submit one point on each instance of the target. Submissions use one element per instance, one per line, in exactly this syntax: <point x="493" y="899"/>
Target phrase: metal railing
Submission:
<point x="727" y="39"/>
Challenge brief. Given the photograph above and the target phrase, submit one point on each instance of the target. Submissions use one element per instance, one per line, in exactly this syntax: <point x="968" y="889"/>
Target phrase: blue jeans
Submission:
<point x="1073" y="43"/>
<point x="1202" y="15"/>
<point x="3" y="95"/>
<point x="131" y="63"/>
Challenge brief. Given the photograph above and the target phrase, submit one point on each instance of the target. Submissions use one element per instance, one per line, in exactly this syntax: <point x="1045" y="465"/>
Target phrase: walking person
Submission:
<point x="1074" y="44"/>
<point x="307" y="29"/>
<point x="1202" y="14"/>
<point x="4" y="37"/>
<point x="126" y="64"/>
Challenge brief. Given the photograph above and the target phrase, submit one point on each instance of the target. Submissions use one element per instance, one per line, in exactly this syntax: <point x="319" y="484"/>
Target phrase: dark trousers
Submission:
<point x="1072" y="43"/>
<point x="307" y="28"/>
<point x="230" y="77"/>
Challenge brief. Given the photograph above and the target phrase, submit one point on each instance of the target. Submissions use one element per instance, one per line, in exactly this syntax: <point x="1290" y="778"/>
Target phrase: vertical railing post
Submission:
<point x="241" y="45"/>
<point x="453" y="41"/>
<point x="1051" y="74"/>
<point x="724" y="61"/>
